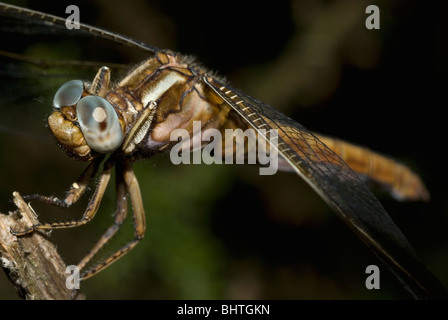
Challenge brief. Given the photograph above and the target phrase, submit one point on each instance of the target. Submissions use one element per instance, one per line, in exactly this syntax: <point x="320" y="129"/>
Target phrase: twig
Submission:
<point x="31" y="263"/>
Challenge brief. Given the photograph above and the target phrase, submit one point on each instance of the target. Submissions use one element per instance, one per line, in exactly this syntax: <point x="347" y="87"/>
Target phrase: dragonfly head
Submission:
<point x="84" y="124"/>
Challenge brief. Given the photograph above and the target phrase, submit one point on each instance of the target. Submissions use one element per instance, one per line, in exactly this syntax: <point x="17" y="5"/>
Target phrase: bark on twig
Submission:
<point x="32" y="263"/>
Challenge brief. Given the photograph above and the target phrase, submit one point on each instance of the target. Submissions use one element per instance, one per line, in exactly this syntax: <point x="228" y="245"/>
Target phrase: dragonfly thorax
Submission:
<point x="160" y="95"/>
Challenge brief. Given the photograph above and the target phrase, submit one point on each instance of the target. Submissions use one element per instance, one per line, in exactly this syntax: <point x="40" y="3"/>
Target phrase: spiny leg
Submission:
<point x="76" y="190"/>
<point x="139" y="222"/>
<point x="100" y="85"/>
<point x="121" y="211"/>
<point x="89" y="213"/>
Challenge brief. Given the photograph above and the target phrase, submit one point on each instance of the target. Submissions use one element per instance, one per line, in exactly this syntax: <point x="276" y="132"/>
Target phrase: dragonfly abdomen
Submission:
<point x="395" y="177"/>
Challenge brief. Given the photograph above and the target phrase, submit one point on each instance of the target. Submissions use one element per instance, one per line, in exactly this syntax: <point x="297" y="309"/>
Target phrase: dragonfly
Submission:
<point x="116" y="125"/>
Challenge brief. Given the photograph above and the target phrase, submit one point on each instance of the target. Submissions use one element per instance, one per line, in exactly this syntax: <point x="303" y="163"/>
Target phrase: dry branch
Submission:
<point x="32" y="263"/>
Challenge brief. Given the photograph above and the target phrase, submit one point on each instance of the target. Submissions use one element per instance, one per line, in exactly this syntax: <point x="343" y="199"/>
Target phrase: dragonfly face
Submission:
<point x="134" y="118"/>
<point x="97" y="127"/>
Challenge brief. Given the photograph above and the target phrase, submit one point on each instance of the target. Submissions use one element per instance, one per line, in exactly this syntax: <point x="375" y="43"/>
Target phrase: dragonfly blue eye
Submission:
<point x="99" y="124"/>
<point x="68" y="94"/>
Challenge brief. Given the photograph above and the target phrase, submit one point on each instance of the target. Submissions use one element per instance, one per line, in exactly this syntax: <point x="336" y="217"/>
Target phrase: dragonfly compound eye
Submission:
<point x="68" y="94"/>
<point x="99" y="124"/>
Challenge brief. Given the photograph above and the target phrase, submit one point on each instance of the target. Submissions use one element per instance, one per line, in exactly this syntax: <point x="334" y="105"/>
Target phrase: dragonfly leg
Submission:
<point x="139" y="222"/>
<point x="121" y="212"/>
<point x="100" y="85"/>
<point x="76" y="190"/>
<point x="89" y="213"/>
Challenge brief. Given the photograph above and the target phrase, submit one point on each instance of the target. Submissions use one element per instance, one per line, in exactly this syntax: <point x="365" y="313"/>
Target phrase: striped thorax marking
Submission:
<point x="163" y="85"/>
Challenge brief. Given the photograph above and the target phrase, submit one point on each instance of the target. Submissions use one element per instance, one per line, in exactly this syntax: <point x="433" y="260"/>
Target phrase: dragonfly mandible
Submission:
<point x="168" y="91"/>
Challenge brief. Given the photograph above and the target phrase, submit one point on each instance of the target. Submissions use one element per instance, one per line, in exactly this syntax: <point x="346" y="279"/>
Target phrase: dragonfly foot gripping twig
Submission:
<point x="32" y="263"/>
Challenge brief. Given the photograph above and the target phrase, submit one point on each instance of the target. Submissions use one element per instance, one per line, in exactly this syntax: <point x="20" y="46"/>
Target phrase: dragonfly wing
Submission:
<point x="339" y="186"/>
<point x="21" y="20"/>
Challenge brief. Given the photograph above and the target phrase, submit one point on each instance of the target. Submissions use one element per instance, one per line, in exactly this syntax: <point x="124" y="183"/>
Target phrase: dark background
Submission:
<point x="224" y="232"/>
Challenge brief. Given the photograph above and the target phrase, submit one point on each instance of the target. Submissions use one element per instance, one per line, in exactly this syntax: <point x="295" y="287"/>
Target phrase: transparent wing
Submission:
<point x="339" y="186"/>
<point x="17" y="19"/>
